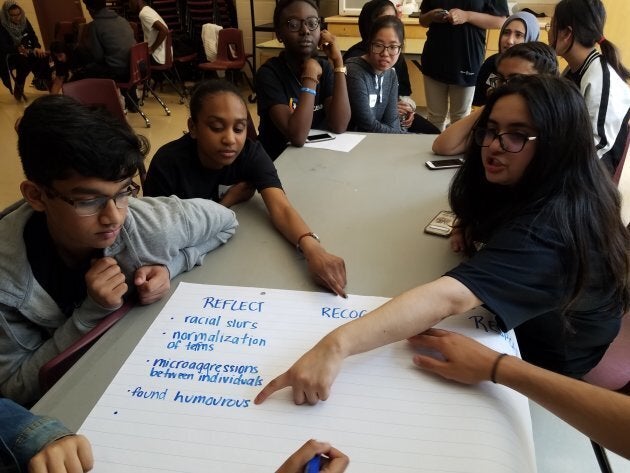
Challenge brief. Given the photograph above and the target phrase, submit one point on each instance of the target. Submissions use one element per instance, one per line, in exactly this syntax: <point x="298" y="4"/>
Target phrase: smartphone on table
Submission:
<point x="442" y="224"/>
<point x="444" y="163"/>
<point x="314" y="138"/>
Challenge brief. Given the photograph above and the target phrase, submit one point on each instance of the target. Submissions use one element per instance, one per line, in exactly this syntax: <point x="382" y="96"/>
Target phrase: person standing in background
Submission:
<point x="454" y="51"/>
<point x="154" y="30"/>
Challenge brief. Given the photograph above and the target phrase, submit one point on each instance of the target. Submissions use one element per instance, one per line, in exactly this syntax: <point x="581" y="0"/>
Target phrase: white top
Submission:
<point x="148" y="16"/>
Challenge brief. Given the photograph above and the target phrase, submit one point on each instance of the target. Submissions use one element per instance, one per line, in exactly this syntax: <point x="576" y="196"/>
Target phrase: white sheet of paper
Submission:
<point x="183" y="400"/>
<point x="344" y="142"/>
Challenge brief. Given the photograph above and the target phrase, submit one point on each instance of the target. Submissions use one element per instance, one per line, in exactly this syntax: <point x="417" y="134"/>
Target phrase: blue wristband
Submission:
<point x="308" y="91"/>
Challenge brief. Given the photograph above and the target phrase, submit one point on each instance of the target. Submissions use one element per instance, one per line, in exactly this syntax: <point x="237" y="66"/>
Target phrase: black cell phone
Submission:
<point x="319" y="137"/>
<point x="444" y="163"/>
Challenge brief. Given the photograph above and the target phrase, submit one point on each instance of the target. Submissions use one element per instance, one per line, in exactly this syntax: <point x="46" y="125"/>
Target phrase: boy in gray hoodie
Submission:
<point x="81" y="243"/>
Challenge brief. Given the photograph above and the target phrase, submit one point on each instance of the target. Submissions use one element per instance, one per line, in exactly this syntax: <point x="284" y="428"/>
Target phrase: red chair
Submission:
<point x="231" y="57"/>
<point x="96" y="92"/>
<point x="168" y="70"/>
<point x="139" y="74"/>
<point x="612" y="372"/>
<point x="52" y="371"/>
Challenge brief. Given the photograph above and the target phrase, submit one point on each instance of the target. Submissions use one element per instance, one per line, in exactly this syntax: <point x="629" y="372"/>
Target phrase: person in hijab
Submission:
<point x="20" y="50"/>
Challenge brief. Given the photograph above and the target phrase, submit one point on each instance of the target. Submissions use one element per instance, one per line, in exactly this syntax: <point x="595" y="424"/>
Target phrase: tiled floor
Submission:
<point x="559" y="447"/>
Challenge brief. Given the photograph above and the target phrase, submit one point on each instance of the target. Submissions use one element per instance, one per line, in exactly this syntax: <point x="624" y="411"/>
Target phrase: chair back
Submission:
<point x="139" y="65"/>
<point x="53" y="370"/>
<point x="231" y="48"/>
<point x="613" y="370"/>
<point x="96" y="92"/>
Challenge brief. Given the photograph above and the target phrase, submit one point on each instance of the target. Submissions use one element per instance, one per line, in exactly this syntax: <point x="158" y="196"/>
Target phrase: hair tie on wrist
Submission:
<point x="601" y="40"/>
<point x="493" y="374"/>
<point x="308" y="91"/>
<point x="314" y="79"/>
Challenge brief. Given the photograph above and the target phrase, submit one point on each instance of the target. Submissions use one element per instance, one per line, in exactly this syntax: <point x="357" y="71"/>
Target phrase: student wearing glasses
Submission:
<point x="81" y="243"/>
<point x="522" y="27"/>
<point x="526" y="58"/>
<point x="298" y="90"/>
<point x="372" y="80"/>
<point x="532" y="202"/>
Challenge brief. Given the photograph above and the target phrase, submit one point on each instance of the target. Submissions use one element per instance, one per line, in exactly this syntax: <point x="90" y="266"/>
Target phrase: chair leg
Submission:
<point x="602" y="458"/>
<point x="142" y="114"/>
<point x="157" y="97"/>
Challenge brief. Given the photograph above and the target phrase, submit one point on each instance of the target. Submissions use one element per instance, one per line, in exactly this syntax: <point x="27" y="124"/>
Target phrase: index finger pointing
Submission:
<point x="274" y="385"/>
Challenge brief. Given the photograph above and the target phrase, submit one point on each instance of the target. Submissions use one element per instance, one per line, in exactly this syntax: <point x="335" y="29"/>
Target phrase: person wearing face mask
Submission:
<point x="521" y="27"/>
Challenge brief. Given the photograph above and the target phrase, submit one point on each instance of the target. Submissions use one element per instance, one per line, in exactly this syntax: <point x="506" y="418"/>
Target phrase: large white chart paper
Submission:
<point x="183" y="400"/>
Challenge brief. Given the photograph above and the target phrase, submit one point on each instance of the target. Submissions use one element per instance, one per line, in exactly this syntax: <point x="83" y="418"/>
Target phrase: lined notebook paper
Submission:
<point x="183" y="400"/>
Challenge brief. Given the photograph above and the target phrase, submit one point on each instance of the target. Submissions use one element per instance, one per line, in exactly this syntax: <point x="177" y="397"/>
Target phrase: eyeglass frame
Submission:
<point x="494" y="77"/>
<point x="131" y="191"/>
<point x="302" y="24"/>
<point x="384" y="47"/>
<point x="479" y="141"/>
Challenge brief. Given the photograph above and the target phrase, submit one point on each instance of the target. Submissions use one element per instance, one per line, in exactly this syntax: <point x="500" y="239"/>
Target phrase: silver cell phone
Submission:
<point x="444" y="163"/>
<point x="319" y="137"/>
<point x="441" y="224"/>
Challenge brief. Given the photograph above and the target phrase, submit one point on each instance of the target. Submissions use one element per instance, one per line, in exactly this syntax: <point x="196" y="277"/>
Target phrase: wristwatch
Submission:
<point x="309" y="234"/>
<point x="341" y="69"/>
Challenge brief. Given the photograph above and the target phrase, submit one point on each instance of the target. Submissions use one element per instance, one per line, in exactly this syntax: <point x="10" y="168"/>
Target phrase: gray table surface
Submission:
<point x="369" y="206"/>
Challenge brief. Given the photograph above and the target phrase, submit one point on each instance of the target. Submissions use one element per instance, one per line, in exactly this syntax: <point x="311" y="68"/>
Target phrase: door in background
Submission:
<point x="49" y="12"/>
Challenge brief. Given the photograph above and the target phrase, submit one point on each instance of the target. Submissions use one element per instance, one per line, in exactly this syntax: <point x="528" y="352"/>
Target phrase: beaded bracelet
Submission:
<point x="493" y="374"/>
<point x="308" y="91"/>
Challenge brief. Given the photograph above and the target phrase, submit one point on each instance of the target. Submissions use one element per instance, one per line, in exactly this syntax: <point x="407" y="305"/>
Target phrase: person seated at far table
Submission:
<point x="522" y="59"/>
<point x="20" y="50"/>
<point x="298" y="91"/>
<point x="409" y="120"/>
<point x="216" y="153"/>
<point x="531" y="200"/>
<point x="372" y="81"/>
<point x="39" y="444"/>
<point x="522" y="27"/>
<point x="598" y="413"/>
<point x="81" y="243"/>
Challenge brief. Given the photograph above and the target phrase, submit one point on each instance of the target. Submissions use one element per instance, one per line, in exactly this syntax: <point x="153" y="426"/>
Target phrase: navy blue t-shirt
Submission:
<point x="522" y="276"/>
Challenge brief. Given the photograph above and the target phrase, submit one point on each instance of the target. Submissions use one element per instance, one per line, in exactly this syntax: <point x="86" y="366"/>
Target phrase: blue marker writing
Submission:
<point x="313" y="465"/>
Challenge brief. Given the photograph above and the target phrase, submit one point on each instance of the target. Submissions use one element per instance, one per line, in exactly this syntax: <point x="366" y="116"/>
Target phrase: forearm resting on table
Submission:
<point x="602" y="415"/>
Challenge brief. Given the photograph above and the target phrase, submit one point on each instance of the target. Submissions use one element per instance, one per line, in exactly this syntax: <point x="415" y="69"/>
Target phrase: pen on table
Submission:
<point x="313" y="464"/>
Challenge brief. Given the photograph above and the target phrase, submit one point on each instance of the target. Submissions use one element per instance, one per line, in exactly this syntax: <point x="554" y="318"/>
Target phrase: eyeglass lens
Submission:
<point x="510" y="142"/>
<point x="294" y="24"/>
<point x="378" y="48"/>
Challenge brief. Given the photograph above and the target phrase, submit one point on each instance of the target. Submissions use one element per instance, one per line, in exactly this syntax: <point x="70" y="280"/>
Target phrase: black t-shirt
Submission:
<point x="65" y="285"/>
<point x="277" y="84"/>
<point x="521" y="276"/>
<point x="488" y="67"/>
<point x="453" y="54"/>
<point x="176" y="169"/>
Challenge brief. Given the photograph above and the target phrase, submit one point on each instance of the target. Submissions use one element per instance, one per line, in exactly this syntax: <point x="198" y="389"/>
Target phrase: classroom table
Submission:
<point x="369" y="205"/>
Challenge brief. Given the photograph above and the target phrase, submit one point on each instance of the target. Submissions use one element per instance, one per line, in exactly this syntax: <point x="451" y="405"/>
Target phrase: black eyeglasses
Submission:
<point x="88" y="207"/>
<point x="496" y="80"/>
<point x="294" y="24"/>
<point x="392" y="49"/>
<point x="512" y="142"/>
